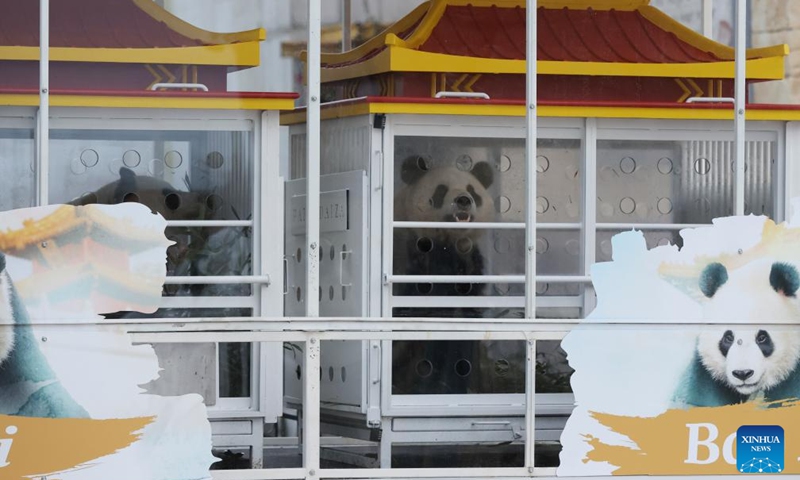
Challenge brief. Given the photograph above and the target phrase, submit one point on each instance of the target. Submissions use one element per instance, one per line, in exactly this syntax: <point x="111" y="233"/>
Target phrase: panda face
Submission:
<point x="6" y="312"/>
<point x="444" y="194"/>
<point x="749" y="360"/>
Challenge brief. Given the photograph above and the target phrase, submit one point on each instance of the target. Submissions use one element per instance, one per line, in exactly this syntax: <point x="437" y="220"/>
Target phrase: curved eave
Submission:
<point x="190" y="31"/>
<point x="233" y="55"/>
<point x="160" y="100"/>
<point x="512" y="108"/>
<point x="398" y="59"/>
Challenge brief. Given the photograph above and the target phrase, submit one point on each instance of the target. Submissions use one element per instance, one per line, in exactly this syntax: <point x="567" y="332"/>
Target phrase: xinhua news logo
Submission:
<point x="759" y="449"/>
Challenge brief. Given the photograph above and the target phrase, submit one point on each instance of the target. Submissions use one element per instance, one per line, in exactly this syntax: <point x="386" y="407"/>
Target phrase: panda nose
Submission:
<point x="742" y="374"/>
<point x="463" y="201"/>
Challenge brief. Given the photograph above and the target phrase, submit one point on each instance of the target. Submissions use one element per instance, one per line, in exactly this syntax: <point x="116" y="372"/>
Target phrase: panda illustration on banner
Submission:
<point x="28" y="386"/>
<point x="734" y="364"/>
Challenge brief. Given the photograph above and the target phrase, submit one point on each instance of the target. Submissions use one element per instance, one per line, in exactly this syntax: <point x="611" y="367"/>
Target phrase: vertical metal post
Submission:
<point x="313" y="149"/>
<point x="530" y="404"/>
<point x="739" y="110"/>
<point x="530" y="161"/>
<point x="708" y="18"/>
<point x="347" y="21"/>
<point x="42" y="162"/>
<point x="311" y="403"/>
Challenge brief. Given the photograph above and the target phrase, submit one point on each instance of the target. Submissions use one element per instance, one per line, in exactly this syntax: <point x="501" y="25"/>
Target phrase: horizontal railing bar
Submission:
<point x="650" y="226"/>
<point x="209" y="223"/>
<point x="484" y="225"/>
<point x="486" y="278"/>
<point x="218" y="280"/>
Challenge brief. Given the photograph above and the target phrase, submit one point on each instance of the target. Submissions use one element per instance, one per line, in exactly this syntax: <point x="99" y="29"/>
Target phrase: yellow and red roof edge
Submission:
<point x="397" y="49"/>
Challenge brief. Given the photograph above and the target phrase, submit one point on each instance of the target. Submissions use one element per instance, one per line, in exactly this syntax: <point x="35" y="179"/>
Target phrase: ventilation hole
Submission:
<point x="542" y="205"/>
<point x="299" y="255"/>
<point x="573" y="247"/>
<point x="89" y="158"/>
<point x="173" y="201"/>
<point x="344" y="293"/>
<point x="664" y="206"/>
<point x="605" y="248"/>
<point x="502" y="367"/>
<point x="77" y="167"/>
<point x="344" y="374"/>
<point x="542" y="288"/>
<point x="464" y="245"/>
<point x="330" y="293"/>
<point x="320" y="293"/>
<point x="542" y="245"/>
<point x="333" y="252"/>
<point x="330" y="373"/>
<point x="627" y="165"/>
<point x="702" y="166"/>
<point x="504" y="163"/>
<point x="213" y="202"/>
<point x="173" y="159"/>
<point x="131" y="158"/>
<point x="503" y="204"/>
<point x="299" y="372"/>
<point x="463" y="288"/>
<point x="156" y="167"/>
<point x="299" y="294"/>
<point x="502" y="245"/>
<point x="463" y="368"/>
<point x="344" y="250"/>
<point x="606" y="209"/>
<point x="664" y="165"/>
<point x="423" y="163"/>
<point x="542" y="164"/>
<point x="502" y="288"/>
<point x="215" y="160"/>
<point x="424" y="288"/>
<point x="423" y="368"/>
<point x="130" y="197"/>
<point x="627" y="205"/>
<point x="464" y="163"/>
<point x="424" y="245"/>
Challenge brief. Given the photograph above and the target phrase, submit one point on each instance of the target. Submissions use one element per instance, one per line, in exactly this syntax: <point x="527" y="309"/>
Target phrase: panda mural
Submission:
<point x="440" y="194"/>
<point x="28" y="386"/>
<point x="733" y="364"/>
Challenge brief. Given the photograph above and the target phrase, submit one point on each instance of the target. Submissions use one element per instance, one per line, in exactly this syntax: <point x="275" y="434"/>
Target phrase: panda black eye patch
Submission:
<point x="475" y="196"/>
<point x="438" y="196"/>
<point x="725" y="343"/>
<point x="764" y="342"/>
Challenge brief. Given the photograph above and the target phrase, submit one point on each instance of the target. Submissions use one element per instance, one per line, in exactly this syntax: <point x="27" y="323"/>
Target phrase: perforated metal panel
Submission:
<point x="342" y="292"/>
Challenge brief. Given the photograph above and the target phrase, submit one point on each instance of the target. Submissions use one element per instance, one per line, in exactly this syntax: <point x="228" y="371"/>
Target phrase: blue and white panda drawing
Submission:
<point x="28" y="386"/>
<point x="739" y="363"/>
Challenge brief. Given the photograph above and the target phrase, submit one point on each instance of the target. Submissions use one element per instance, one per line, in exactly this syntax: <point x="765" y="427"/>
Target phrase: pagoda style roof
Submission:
<point x="575" y="37"/>
<point x="120" y="31"/>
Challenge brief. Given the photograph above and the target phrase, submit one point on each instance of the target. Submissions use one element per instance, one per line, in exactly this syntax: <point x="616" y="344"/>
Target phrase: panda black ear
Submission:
<point x="484" y="173"/>
<point x="413" y="168"/>
<point x="784" y="279"/>
<point x="713" y="276"/>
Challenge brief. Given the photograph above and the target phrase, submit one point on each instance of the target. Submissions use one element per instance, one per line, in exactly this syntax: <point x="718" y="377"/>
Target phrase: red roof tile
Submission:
<point x="563" y="35"/>
<point x="88" y="24"/>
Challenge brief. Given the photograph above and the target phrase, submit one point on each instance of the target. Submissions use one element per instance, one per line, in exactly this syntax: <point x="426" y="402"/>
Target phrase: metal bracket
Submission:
<point x="710" y="100"/>
<point x="482" y="95"/>
<point x="179" y="85"/>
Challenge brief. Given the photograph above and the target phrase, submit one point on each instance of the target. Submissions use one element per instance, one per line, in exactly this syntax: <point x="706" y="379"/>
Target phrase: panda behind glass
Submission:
<point x="441" y="194"/>
<point x="734" y="364"/>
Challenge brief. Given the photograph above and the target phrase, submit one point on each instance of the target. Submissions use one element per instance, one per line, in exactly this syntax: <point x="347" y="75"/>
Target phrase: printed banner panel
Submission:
<point x="71" y="405"/>
<point x="714" y="396"/>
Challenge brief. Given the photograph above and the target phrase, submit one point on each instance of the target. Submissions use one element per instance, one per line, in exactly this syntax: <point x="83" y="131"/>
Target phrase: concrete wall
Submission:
<point x="775" y="22"/>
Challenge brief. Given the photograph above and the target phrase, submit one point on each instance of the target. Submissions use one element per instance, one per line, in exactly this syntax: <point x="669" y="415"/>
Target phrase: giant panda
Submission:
<point x="739" y="363"/>
<point x="439" y="194"/>
<point x="28" y="386"/>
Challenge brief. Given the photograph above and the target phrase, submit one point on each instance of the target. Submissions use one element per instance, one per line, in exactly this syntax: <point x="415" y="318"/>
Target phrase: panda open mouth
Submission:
<point x="747" y="388"/>
<point x="462" y="217"/>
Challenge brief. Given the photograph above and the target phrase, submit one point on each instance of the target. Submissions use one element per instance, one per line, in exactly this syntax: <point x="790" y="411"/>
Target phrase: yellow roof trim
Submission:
<point x="179" y="103"/>
<point x="669" y="24"/>
<point x="398" y="59"/>
<point x="375" y="42"/>
<point x="493" y="110"/>
<point x="404" y="52"/>
<point x="238" y="54"/>
<point x="188" y="30"/>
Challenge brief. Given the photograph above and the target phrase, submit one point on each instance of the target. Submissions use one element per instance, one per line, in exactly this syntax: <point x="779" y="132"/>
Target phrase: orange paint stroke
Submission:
<point x="662" y="443"/>
<point x="46" y="446"/>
